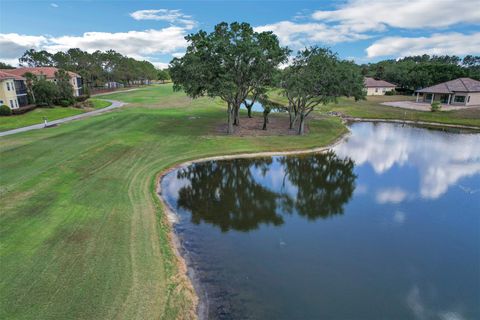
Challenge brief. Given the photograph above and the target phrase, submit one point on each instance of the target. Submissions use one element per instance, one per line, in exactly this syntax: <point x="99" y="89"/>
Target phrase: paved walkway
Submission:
<point x="115" y="104"/>
<point x="421" y="106"/>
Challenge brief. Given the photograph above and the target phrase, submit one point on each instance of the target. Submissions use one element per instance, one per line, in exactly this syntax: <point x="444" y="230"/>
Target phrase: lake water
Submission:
<point x="386" y="226"/>
<point x="257" y="107"/>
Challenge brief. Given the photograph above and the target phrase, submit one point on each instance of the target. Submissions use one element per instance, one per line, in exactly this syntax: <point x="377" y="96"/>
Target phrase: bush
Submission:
<point x="435" y="106"/>
<point x="84" y="105"/>
<point x="5" y="110"/>
<point x="82" y="98"/>
<point x="23" y="110"/>
<point x="391" y="93"/>
<point x="64" y="103"/>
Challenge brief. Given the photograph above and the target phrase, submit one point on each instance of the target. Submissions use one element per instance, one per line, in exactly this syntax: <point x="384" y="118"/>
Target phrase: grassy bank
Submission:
<point x="83" y="234"/>
<point x="37" y="115"/>
<point x="373" y="109"/>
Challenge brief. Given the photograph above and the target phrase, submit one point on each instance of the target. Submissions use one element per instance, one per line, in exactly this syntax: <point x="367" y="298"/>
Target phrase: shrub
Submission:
<point x="5" y="110"/>
<point x="23" y="110"/>
<point x="81" y="98"/>
<point x="45" y="92"/>
<point x="84" y="105"/>
<point x="391" y="93"/>
<point x="435" y="106"/>
<point x="64" y="103"/>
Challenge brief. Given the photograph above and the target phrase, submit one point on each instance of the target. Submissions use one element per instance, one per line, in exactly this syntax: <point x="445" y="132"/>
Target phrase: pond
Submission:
<point x="385" y="226"/>
<point x="257" y="107"/>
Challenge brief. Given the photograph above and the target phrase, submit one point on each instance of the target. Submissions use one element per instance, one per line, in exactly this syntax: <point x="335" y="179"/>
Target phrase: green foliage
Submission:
<point x="232" y="62"/>
<point x="81" y="98"/>
<point x="64" y="103"/>
<point x="46" y="92"/>
<point x="95" y="68"/>
<point x="5" y="110"/>
<point x="163" y="75"/>
<point x="65" y="88"/>
<point x="422" y="71"/>
<point x="315" y="77"/>
<point x="4" y="65"/>
<point x="391" y="93"/>
<point x="435" y="106"/>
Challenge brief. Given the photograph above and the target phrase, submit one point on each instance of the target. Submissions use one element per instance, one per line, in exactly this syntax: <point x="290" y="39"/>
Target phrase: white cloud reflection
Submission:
<point x="441" y="159"/>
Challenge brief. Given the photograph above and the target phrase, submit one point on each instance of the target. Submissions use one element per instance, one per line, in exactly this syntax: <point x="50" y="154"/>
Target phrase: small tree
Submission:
<point x="65" y="88"/>
<point x="46" y="92"/>
<point x="316" y="77"/>
<point x="435" y="106"/>
<point x="163" y="75"/>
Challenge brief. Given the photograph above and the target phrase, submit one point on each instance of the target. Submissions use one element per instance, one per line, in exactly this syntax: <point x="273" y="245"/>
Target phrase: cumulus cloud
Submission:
<point x="298" y="35"/>
<point x="172" y="16"/>
<point x="136" y="44"/>
<point x="367" y="15"/>
<point x="452" y="43"/>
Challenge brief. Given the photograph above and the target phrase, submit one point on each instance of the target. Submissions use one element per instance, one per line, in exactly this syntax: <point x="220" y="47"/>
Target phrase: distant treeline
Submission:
<point x="411" y="73"/>
<point x="96" y="68"/>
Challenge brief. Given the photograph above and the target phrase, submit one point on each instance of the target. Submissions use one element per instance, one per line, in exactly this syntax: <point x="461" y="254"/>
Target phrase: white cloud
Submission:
<point x="298" y="35"/>
<point x="393" y="195"/>
<point x="13" y="45"/>
<point x="54" y="5"/>
<point x="367" y="15"/>
<point x="136" y="44"/>
<point x="452" y="43"/>
<point x="172" y="16"/>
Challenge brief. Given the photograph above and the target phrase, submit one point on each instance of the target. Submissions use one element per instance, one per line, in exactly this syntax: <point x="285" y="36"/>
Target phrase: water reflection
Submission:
<point x="441" y="159"/>
<point x="233" y="195"/>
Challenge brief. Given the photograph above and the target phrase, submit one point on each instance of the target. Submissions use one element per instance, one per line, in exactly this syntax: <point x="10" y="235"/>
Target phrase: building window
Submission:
<point x="459" y="99"/>
<point x="16" y="104"/>
<point x="383" y="89"/>
<point x="468" y="99"/>
<point x="428" y="96"/>
<point x="1" y="102"/>
<point x="376" y="89"/>
<point x="11" y="104"/>
<point x="8" y="86"/>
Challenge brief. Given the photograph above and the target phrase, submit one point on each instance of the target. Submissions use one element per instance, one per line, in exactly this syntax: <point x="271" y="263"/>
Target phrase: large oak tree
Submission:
<point x="233" y="62"/>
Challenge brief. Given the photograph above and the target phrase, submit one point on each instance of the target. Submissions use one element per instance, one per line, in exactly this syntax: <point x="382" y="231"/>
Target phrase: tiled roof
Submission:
<point x="48" y="72"/>
<point x="457" y="85"/>
<point x="371" y="82"/>
<point x="7" y="75"/>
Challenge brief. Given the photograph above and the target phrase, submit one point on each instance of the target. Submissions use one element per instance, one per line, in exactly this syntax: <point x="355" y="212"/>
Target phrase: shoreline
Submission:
<point x="200" y="299"/>
<point x="412" y="122"/>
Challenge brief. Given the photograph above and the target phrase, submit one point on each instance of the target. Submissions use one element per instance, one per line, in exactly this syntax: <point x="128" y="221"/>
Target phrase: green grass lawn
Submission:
<point x="373" y="109"/>
<point x="82" y="233"/>
<point x="36" y="116"/>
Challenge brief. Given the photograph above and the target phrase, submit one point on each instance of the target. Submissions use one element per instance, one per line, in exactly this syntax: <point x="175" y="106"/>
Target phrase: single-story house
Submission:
<point x="378" y="87"/>
<point x="48" y="73"/>
<point x="461" y="91"/>
<point x="13" y="91"/>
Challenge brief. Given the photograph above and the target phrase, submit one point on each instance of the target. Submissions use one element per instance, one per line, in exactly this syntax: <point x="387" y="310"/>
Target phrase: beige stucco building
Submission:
<point x="48" y="73"/>
<point x="13" y="92"/>
<point x="461" y="91"/>
<point x="376" y="87"/>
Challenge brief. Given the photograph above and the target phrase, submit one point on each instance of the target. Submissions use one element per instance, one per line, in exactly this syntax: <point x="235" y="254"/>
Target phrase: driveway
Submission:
<point x="421" y="106"/>
<point x="115" y="104"/>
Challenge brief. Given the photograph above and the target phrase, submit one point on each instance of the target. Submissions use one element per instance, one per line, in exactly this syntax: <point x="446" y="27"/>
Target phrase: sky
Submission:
<point x="360" y="30"/>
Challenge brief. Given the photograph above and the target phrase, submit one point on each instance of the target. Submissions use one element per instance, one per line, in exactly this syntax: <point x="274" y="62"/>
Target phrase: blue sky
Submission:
<point x="363" y="30"/>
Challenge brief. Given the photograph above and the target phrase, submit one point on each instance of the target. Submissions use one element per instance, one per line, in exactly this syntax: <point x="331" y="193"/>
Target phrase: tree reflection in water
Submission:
<point x="228" y="194"/>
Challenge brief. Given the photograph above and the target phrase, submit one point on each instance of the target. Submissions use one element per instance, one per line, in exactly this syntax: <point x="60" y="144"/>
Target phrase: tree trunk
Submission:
<point x="301" y="127"/>
<point x="236" y="120"/>
<point x="265" y="121"/>
<point x="249" y="109"/>
<point x="293" y="119"/>
<point x="230" y="113"/>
